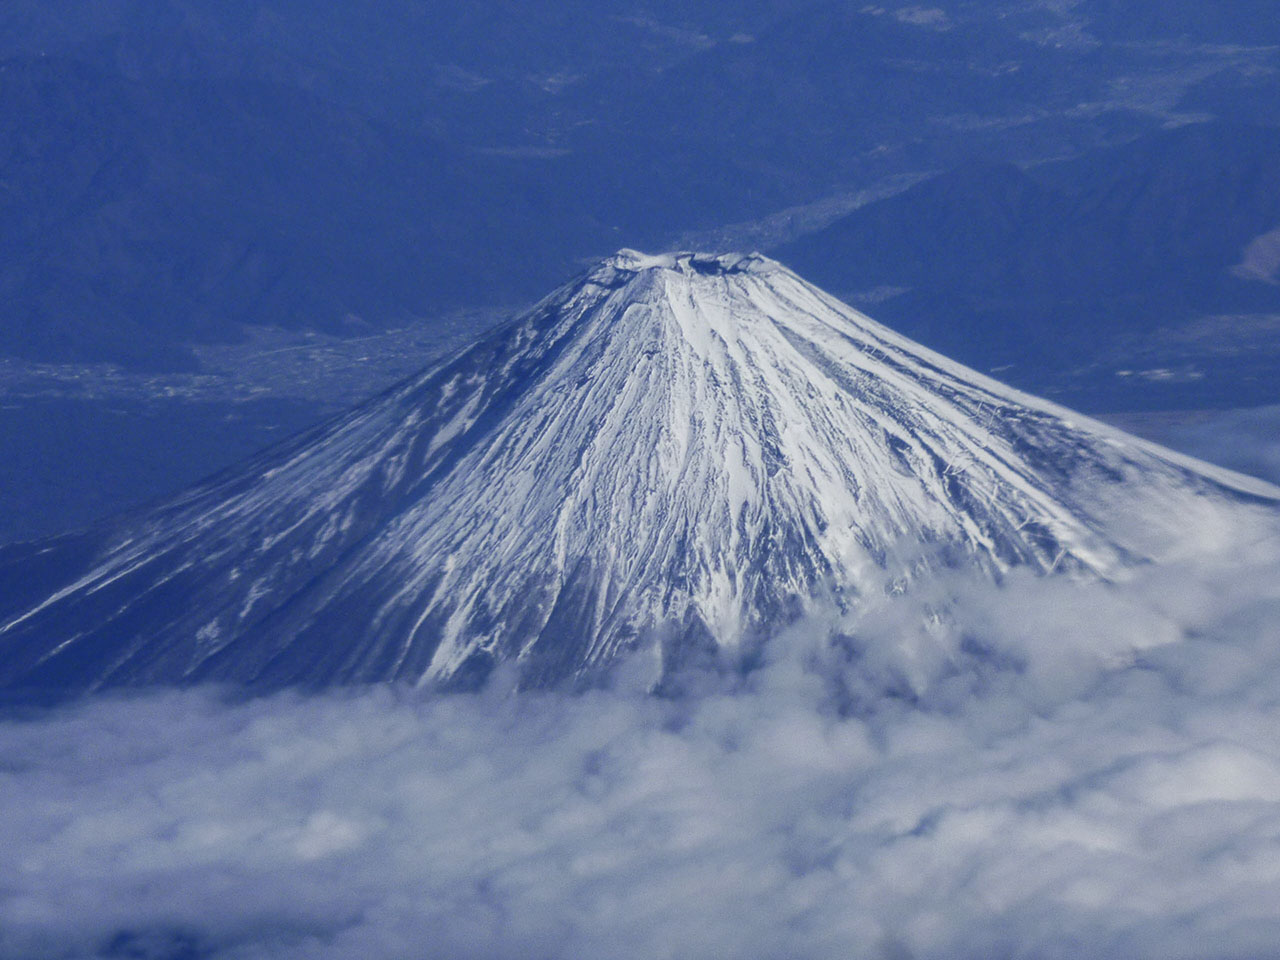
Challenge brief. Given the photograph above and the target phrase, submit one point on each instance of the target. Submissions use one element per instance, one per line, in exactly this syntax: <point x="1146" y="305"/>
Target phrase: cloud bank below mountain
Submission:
<point x="1043" y="770"/>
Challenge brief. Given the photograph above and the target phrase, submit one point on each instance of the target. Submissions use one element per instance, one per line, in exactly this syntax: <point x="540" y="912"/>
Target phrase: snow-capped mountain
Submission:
<point x="674" y="452"/>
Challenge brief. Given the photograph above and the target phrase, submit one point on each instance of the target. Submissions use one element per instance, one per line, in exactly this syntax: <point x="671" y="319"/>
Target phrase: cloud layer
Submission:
<point x="1042" y="770"/>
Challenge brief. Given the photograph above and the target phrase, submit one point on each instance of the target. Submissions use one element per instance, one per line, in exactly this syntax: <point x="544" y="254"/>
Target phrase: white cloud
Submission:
<point x="932" y="17"/>
<point x="935" y="18"/>
<point x="1047" y="770"/>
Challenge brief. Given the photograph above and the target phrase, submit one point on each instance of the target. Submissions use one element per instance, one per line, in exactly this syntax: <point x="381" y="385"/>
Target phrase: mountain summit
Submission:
<point x="675" y="452"/>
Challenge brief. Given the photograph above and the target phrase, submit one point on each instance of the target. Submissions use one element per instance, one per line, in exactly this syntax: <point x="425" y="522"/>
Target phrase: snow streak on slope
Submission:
<point x="674" y="450"/>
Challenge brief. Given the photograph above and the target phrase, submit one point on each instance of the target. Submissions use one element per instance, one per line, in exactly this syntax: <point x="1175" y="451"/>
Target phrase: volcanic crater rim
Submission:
<point x="690" y="262"/>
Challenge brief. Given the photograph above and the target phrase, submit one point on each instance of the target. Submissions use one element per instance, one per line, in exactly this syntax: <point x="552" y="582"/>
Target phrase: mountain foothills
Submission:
<point x="1161" y="255"/>
<point x="142" y="216"/>
<point x="674" y="454"/>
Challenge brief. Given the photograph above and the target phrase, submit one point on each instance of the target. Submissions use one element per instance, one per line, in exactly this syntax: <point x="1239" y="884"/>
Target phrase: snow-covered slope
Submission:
<point x="674" y="451"/>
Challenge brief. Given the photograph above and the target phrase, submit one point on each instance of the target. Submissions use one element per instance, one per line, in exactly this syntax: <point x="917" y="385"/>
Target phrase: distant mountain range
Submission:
<point x="178" y="168"/>
<point x="673" y="454"/>
<point x="142" y="216"/>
